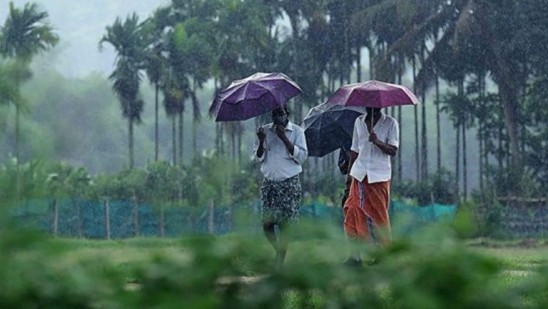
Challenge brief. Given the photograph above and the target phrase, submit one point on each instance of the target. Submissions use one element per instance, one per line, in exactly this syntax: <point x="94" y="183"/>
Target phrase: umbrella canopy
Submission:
<point x="329" y="127"/>
<point x="374" y="94"/>
<point x="252" y="96"/>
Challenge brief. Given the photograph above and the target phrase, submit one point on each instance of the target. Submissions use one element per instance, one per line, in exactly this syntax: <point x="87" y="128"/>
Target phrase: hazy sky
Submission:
<point x="80" y="25"/>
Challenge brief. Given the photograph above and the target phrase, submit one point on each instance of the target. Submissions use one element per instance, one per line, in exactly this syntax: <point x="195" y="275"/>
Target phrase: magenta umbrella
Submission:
<point x="373" y="94"/>
<point x="252" y="96"/>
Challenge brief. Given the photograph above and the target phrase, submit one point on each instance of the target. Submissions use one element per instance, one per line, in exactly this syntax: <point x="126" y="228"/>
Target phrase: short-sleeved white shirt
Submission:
<point x="371" y="161"/>
<point x="277" y="163"/>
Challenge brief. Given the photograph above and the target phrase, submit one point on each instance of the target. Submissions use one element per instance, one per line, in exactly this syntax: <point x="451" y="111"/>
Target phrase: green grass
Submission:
<point x="120" y="253"/>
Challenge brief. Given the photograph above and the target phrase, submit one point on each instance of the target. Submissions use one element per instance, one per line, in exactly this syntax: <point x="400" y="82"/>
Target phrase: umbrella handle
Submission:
<point x="371" y="124"/>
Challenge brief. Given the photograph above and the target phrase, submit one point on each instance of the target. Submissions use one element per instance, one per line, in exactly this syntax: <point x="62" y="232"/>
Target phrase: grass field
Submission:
<point x="521" y="255"/>
<point x="517" y="259"/>
<point x="517" y="255"/>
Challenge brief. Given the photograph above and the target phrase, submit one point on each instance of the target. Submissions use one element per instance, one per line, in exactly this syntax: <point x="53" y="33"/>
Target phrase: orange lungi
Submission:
<point x="366" y="211"/>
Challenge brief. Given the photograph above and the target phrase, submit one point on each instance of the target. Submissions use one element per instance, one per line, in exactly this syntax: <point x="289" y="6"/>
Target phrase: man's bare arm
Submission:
<point x="384" y="147"/>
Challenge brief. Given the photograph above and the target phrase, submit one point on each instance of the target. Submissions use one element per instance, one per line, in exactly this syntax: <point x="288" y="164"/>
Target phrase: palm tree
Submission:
<point x="181" y="47"/>
<point x="234" y="57"/>
<point x="388" y="22"/>
<point x="174" y="98"/>
<point x="126" y="79"/>
<point x="25" y="33"/>
<point x="505" y="58"/>
<point x="307" y="52"/>
<point x="155" y="62"/>
<point x="56" y="185"/>
<point x="130" y="43"/>
<point x="154" y="69"/>
<point x="503" y="28"/>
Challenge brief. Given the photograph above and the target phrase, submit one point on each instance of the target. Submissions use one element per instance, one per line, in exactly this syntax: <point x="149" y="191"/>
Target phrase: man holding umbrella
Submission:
<point x="375" y="140"/>
<point x="281" y="147"/>
<point x="281" y="150"/>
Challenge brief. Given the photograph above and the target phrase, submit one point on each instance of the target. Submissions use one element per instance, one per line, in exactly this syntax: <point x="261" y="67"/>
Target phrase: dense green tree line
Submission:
<point x="464" y="43"/>
<point x="478" y="62"/>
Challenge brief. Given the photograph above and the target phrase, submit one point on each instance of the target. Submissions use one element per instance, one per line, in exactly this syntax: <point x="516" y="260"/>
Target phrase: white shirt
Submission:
<point x="371" y="161"/>
<point x="277" y="163"/>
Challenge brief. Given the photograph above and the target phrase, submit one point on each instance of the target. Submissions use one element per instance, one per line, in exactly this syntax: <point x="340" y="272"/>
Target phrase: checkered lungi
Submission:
<point x="281" y="200"/>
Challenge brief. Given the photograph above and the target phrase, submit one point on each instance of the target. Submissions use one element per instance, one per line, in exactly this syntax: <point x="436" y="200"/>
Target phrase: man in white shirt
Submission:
<point x="281" y="150"/>
<point x="366" y="208"/>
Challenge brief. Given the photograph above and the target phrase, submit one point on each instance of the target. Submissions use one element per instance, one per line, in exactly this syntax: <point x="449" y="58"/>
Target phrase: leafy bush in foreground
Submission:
<point x="434" y="271"/>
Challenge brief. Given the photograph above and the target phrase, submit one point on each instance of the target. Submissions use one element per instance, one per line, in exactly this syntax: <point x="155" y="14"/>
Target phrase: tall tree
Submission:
<point x="25" y="33"/>
<point x="155" y="62"/>
<point x="389" y="22"/>
<point x="174" y="97"/>
<point x="245" y="45"/>
<point x="187" y="57"/>
<point x="130" y="44"/>
<point x="189" y="50"/>
<point x="503" y="27"/>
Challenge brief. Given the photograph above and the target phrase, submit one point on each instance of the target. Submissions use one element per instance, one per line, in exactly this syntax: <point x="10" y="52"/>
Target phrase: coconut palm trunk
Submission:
<point x="181" y="137"/>
<point x="438" y="130"/>
<point x="79" y="221"/>
<point x="233" y="142"/>
<point x="130" y="144"/>
<point x="464" y="165"/>
<point x="399" y="173"/>
<point x="500" y="151"/>
<point x="17" y="153"/>
<point x="239" y="146"/>
<point x="162" y="222"/>
<point x="106" y="210"/>
<point x="174" y="139"/>
<point x="194" y="134"/>
<point x="457" y="160"/>
<point x="55" y="218"/>
<point x="424" y="138"/>
<point x="480" y="155"/>
<point x="211" y="217"/>
<point x="358" y="64"/>
<point x="416" y="121"/>
<point x="135" y="211"/>
<point x="424" y="148"/>
<point x="156" y="121"/>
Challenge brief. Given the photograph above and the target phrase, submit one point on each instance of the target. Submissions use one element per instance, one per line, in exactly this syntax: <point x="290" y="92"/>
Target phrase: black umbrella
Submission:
<point x="329" y="127"/>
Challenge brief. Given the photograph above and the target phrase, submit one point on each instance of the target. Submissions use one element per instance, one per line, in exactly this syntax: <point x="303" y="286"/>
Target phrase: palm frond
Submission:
<point x="382" y="62"/>
<point x="26" y="32"/>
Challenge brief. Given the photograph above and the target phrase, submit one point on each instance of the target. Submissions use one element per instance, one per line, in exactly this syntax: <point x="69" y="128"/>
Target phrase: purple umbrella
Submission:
<point x="374" y="94"/>
<point x="252" y="96"/>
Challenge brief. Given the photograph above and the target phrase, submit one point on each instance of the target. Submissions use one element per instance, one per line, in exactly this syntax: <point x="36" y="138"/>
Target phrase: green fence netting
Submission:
<point x="84" y="218"/>
<point x="408" y="218"/>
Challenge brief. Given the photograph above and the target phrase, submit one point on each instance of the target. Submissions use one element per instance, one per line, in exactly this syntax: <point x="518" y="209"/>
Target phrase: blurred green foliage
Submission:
<point x="437" y="188"/>
<point x="434" y="270"/>
<point x="430" y="269"/>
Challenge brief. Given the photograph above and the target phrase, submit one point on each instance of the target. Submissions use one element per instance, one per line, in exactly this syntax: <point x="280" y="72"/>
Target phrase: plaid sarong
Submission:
<point x="281" y="200"/>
